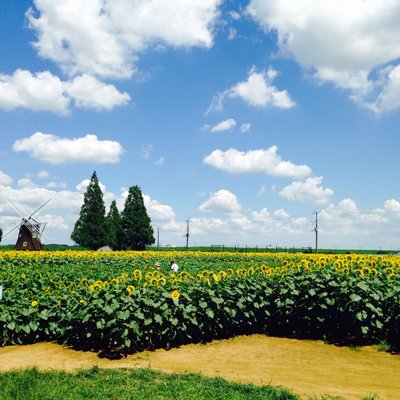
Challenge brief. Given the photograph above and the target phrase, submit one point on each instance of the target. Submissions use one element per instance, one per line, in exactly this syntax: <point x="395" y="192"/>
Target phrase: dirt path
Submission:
<point x="305" y="366"/>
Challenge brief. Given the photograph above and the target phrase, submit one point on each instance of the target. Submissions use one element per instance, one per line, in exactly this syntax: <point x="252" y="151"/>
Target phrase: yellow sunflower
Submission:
<point x="175" y="295"/>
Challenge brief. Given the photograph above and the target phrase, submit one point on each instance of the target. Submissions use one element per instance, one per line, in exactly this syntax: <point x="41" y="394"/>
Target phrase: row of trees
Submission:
<point x="129" y="229"/>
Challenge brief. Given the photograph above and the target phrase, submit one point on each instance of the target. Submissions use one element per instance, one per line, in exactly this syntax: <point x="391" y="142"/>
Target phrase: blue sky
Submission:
<point x="245" y="117"/>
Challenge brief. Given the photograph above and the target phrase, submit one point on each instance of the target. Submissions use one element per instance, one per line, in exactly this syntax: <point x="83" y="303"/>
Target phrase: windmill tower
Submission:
<point x="30" y="230"/>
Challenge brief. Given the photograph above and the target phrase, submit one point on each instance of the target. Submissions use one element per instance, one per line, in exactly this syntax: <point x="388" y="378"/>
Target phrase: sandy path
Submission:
<point x="305" y="366"/>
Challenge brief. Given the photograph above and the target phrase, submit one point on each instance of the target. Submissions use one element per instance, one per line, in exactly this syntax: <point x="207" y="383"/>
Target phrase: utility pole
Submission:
<point x="316" y="231"/>
<point x="158" y="238"/>
<point x="187" y="234"/>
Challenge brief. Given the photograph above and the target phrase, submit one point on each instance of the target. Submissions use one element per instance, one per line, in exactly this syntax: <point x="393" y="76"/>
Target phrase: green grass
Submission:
<point x="132" y="384"/>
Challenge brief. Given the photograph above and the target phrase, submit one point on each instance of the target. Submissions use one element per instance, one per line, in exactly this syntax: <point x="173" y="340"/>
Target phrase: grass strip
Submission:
<point x="124" y="384"/>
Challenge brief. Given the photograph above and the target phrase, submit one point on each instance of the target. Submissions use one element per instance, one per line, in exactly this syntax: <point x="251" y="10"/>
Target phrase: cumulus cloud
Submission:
<point x="347" y="43"/>
<point x="346" y="220"/>
<point x="279" y="224"/>
<point x="88" y="92"/>
<point x="5" y="180"/>
<point x="389" y="97"/>
<point x="158" y="211"/>
<point x="55" y="185"/>
<point x="55" y="150"/>
<point x="26" y="183"/>
<point x="222" y="200"/>
<point x="256" y="91"/>
<point x="224" y="125"/>
<point x="38" y="92"/>
<point x="44" y="91"/>
<point x="342" y="224"/>
<point x="61" y="214"/>
<point x="392" y="206"/>
<point x="82" y="186"/>
<point x="54" y="222"/>
<point x="104" y="37"/>
<point x="308" y="190"/>
<point x="43" y="174"/>
<point x="267" y="161"/>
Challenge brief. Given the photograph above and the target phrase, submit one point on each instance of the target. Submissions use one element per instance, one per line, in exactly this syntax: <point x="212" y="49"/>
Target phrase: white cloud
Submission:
<point x="392" y="206"/>
<point x="54" y="222"/>
<point x="44" y="91"/>
<point x="345" y="220"/>
<point x="104" y="37"/>
<point x="43" y="174"/>
<point x="245" y="127"/>
<point x="82" y="186"/>
<point x="280" y="226"/>
<point x="389" y="97"/>
<point x="157" y="211"/>
<point x="88" y="92"/>
<point x="55" y="185"/>
<point x="38" y="92"/>
<point x="341" y="224"/>
<point x="309" y="190"/>
<point x="281" y="214"/>
<point x="5" y="180"/>
<point x="343" y="42"/>
<point x="256" y="91"/>
<point x="26" y="183"/>
<point x="267" y="161"/>
<point x="65" y="207"/>
<point x="222" y="200"/>
<point x="224" y="125"/>
<point x="55" y="150"/>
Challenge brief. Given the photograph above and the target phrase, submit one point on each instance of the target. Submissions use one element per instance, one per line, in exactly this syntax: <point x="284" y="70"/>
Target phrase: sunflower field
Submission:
<point x="124" y="302"/>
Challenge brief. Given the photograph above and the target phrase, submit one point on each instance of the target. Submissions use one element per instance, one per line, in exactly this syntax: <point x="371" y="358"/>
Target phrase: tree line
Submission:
<point x="127" y="230"/>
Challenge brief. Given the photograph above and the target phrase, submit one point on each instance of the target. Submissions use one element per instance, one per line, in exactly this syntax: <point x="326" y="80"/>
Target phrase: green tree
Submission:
<point x="1" y="234"/>
<point x="113" y="221"/>
<point x="137" y="231"/>
<point x="90" y="229"/>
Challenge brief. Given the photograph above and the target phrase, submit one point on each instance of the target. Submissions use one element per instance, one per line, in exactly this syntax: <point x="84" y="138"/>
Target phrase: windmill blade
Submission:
<point x="14" y="207"/>
<point x="39" y="208"/>
<point x="33" y="228"/>
<point x="42" y="235"/>
<point x="11" y="231"/>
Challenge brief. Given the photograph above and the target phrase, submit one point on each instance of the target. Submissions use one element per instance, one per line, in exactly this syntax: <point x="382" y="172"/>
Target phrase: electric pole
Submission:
<point x="187" y="234"/>
<point x="158" y="238"/>
<point x="316" y="231"/>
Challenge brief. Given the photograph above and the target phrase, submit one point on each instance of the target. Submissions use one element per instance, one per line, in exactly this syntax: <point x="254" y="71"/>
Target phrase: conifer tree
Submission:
<point x="113" y="221"/>
<point x="137" y="231"/>
<point x="90" y="229"/>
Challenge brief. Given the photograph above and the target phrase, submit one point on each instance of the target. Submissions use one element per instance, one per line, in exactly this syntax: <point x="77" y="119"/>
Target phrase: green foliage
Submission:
<point x="129" y="384"/>
<point x="113" y="222"/>
<point x="137" y="231"/>
<point x="90" y="229"/>
<point x="118" y="304"/>
<point x="1" y="234"/>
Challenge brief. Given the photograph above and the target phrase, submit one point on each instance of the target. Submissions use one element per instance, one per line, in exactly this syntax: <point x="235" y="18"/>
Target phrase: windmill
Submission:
<point x="30" y="230"/>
